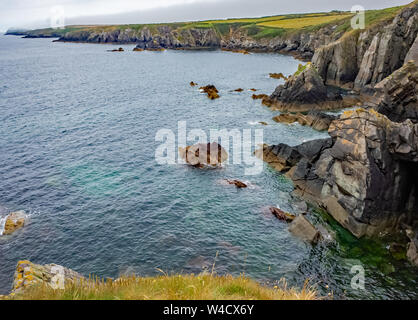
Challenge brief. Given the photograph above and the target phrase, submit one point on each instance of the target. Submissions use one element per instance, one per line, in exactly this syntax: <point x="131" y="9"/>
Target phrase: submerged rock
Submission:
<point x="259" y="96"/>
<point x="243" y="51"/>
<point x="14" y="221"/>
<point x="211" y="91"/>
<point x="303" y="229"/>
<point x="237" y="183"/>
<point x="28" y="274"/>
<point x="202" y="154"/>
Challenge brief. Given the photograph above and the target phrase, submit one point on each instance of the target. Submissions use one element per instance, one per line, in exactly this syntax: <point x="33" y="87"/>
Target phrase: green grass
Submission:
<point x="165" y="287"/>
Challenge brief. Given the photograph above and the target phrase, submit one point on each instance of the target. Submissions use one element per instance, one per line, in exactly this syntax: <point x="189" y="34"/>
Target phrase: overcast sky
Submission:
<point x="37" y="13"/>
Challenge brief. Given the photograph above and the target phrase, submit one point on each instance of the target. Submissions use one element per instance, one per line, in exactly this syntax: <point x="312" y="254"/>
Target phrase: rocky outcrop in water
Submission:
<point x="362" y="58"/>
<point x="29" y="274"/>
<point x="202" y="154"/>
<point x="364" y="176"/>
<point x="211" y="91"/>
<point x="317" y="120"/>
<point x="14" y="221"/>
<point x="304" y="91"/>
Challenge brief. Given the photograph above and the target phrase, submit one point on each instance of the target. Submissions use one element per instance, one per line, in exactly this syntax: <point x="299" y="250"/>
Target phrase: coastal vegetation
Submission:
<point x="168" y="287"/>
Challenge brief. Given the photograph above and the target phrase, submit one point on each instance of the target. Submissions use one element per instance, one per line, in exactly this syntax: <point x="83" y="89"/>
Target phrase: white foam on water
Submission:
<point x="2" y="224"/>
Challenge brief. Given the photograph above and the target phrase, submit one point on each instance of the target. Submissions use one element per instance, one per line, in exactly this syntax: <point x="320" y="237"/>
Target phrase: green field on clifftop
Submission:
<point x="258" y="28"/>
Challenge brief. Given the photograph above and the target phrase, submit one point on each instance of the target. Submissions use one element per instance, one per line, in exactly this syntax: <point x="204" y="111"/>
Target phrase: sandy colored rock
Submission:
<point x="14" y="222"/>
<point x="29" y="274"/>
<point x="201" y="154"/>
<point x="303" y="229"/>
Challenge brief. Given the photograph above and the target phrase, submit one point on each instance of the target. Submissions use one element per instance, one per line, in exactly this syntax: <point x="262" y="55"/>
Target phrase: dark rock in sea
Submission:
<point x="397" y="95"/>
<point x="263" y="123"/>
<point x="281" y="215"/>
<point x="304" y="91"/>
<point x="201" y="154"/>
<point x="317" y="120"/>
<point x="303" y="229"/>
<point x="237" y="183"/>
<point x="211" y="91"/>
<point x="138" y="49"/>
<point x="193" y="84"/>
<point x="116" y="50"/>
<point x="239" y="90"/>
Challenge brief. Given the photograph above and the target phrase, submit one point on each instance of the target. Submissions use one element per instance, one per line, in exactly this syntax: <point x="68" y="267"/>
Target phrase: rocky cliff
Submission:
<point x="364" y="176"/>
<point x="241" y="35"/>
<point x="362" y="58"/>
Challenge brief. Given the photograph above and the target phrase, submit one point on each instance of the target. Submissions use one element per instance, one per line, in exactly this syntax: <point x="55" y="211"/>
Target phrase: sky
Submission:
<point x="32" y="14"/>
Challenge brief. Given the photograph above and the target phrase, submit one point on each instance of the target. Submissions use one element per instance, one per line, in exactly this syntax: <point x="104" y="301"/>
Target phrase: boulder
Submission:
<point x="202" y="154"/>
<point x="211" y="91"/>
<point x="193" y="84"/>
<point x="237" y="183"/>
<point x="29" y="274"/>
<point x="14" y="221"/>
<point x="304" y="91"/>
<point x="239" y="90"/>
<point x="303" y="229"/>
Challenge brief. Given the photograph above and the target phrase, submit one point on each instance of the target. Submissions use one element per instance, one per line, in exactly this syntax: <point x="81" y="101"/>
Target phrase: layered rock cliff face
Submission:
<point x="397" y="96"/>
<point x="365" y="176"/>
<point x="361" y="59"/>
<point x="304" y="91"/>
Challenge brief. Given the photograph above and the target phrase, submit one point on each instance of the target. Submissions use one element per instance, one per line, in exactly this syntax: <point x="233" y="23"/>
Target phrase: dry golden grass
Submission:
<point x="165" y="287"/>
<point x="298" y="23"/>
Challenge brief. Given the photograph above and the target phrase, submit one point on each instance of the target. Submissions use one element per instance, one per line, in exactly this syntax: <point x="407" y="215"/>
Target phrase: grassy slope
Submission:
<point x="184" y="287"/>
<point x="258" y="28"/>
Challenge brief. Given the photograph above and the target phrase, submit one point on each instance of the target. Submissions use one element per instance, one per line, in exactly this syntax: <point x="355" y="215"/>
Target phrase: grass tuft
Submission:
<point x="165" y="287"/>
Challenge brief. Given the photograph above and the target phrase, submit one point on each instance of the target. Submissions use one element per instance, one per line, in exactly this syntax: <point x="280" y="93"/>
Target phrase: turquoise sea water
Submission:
<point x="77" y="143"/>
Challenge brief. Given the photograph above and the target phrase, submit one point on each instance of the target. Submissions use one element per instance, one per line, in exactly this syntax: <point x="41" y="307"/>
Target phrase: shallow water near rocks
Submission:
<point x="77" y="144"/>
